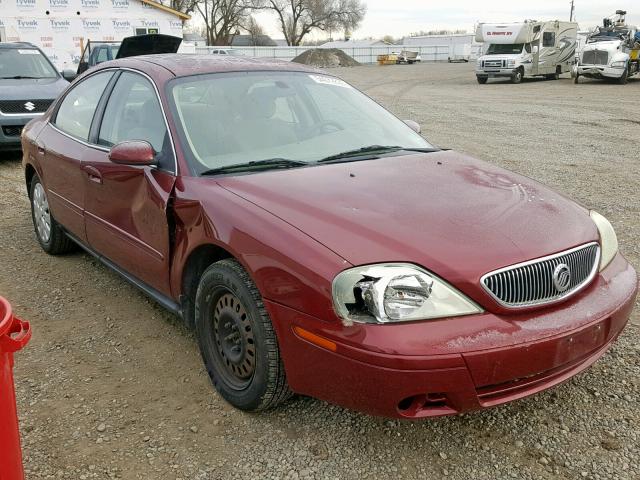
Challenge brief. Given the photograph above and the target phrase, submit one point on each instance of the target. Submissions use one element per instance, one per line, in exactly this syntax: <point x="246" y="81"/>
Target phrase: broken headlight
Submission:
<point x="396" y="292"/>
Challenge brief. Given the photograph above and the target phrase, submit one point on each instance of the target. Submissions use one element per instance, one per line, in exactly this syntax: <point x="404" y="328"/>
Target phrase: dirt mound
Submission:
<point x="325" y="58"/>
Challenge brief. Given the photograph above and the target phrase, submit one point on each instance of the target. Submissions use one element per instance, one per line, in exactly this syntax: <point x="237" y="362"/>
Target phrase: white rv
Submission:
<point x="526" y="49"/>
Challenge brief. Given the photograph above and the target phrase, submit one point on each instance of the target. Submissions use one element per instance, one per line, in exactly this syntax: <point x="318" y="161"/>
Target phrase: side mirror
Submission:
<point x="413" y="125"/>
<point x="69" y="75"/>
<point x="132" y="152"/>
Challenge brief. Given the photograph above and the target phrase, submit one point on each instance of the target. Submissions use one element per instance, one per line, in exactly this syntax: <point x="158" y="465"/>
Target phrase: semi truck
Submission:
<point x="526" y="49"/>
<point x="612" y="51"/>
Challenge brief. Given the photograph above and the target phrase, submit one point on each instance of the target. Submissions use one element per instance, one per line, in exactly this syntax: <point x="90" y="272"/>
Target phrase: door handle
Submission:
<point x="93" y="174"/>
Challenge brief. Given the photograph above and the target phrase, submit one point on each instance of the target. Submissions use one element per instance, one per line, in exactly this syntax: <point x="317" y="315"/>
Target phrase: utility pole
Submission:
<point x="572" y="10"/>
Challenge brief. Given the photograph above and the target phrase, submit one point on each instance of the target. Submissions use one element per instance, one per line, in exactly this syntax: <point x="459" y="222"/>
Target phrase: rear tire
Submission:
<point x="49" y="233"/>
<point x="237" y="340"/>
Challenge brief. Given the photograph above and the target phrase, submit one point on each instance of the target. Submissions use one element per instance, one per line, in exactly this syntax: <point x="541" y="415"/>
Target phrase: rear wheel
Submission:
<point x="237" y="340"/>
<point x="517" y="76"/>
<point x="49" y="233"/>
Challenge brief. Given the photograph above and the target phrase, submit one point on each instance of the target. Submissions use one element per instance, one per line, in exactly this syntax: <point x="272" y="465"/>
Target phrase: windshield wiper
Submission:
<point x="267" y="164"/>
<point x="21" y="77"/>
<point x="372" y="149"/>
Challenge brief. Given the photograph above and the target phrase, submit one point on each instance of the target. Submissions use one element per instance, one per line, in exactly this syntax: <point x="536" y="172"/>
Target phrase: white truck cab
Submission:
<point x="526" y="49"/>
<point x="611" y="52"/>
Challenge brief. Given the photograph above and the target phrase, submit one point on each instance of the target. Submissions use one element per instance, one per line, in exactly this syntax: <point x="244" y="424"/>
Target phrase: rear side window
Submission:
<point x="549" y="39"/>
<point x="78" y="107"/>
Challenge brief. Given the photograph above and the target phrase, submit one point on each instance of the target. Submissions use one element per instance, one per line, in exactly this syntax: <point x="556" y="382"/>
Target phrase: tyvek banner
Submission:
<point x="60" y="27"/>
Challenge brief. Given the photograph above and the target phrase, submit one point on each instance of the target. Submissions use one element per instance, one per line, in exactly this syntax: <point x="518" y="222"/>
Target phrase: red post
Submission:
<point x="14" y="335"/>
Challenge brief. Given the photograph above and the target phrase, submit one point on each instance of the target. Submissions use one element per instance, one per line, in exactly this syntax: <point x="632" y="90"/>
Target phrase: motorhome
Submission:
<point x="612" y="51"/>
<point x="526" y="49"/>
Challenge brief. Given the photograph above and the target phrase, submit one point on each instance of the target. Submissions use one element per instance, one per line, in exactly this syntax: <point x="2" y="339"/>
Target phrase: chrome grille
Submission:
<point x="532" y="283"/>
<point x="493" y="63"/>
<point x="595" y="57"/>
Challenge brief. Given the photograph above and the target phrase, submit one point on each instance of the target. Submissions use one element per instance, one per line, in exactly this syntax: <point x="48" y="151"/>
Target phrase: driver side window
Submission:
<point x="133" y="112"/>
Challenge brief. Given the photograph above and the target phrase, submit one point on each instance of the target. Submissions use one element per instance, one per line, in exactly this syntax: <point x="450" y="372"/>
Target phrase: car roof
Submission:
<point x="188" y="64"/>
<point x="23" y="45"/>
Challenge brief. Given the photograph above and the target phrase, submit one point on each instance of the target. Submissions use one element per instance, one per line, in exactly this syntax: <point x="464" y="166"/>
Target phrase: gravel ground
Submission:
<point x="111" y="386"/>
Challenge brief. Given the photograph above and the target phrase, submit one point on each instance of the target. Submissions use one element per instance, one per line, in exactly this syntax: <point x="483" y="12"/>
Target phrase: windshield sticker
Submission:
<point x="330" y="81"/>
<point x="28" y="52"/>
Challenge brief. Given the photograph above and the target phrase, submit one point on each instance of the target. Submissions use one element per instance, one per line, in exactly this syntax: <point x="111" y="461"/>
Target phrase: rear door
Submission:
<point x="63" y="144"/>
<point x="126" y="206"/>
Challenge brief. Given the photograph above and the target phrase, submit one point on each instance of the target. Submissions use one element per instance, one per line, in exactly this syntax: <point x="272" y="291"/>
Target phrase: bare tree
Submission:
<point x="184" y="6"/>
<point x="255" y="31"/>
<point x="223" y="18"/>
<point x="297" y="18"/>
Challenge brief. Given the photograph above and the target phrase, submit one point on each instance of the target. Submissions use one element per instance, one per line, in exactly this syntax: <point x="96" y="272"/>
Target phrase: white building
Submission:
<point x="61" y="28"/>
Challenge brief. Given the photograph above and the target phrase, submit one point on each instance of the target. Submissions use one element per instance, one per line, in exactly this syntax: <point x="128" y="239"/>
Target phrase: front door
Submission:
<point x="126" y="206"/>
<point x="63" y="144"/>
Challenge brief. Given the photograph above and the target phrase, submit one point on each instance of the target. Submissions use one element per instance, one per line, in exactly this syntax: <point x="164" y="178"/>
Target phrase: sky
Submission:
<point x="400" y="18"/>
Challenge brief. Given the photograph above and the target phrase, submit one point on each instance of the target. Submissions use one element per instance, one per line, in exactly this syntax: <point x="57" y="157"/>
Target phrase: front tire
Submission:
<point x="237" y="340"/>
<point x="482" y="80"/>
<point x="517" y="76"/>
<point x="624" y="78"/>
<point x="49" y="233"/>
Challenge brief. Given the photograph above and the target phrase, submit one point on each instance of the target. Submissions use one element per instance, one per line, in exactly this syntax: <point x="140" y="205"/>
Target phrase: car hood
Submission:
<point x="32" y="89"/>
<point x="609" y="46"/>
<point x="454" y="215"/>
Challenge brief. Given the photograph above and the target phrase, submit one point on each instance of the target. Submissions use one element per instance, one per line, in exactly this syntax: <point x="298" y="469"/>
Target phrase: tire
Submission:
<point x="576" y="79"/>
<point x="49" y="233"/>
<point x="482" y="80"/>
<point x="624" y="78"/>
<point x="237" y="341"/>
<point x="517" y="76"/>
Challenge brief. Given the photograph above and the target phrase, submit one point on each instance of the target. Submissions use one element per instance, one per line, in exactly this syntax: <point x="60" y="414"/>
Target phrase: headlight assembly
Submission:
<point x="396" y="292"/>
<point x="608" y="239"/>
<point x="618" y="64"/>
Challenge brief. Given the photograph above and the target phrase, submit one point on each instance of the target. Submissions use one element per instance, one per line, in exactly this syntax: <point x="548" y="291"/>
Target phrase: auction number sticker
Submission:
<point x="28" y="52"/>
<point x="330" y="81"/>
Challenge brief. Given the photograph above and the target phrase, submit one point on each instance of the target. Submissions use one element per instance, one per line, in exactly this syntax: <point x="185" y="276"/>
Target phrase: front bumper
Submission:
<point x="494" y="73"/>
<point x="596" y="71"/>
<point x="10" y="129"/>
<point x="450" y="366"/>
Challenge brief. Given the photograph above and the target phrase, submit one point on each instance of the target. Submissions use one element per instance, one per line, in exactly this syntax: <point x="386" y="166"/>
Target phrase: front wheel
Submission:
<point x="482" y="80"/>
<point x="237" y="340"/>
<point x="517" y="76"/>
<point x="576" y="79"/>
<point x="624" y="78"/>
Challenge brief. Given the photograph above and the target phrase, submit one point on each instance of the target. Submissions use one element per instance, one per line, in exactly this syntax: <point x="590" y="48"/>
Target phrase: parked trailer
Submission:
<point x="526" y="49"/>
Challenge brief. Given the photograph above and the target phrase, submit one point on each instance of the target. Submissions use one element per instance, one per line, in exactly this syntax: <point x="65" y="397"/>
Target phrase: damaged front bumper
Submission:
<point x="597" y="71"/>
<point x="449" y="366"/>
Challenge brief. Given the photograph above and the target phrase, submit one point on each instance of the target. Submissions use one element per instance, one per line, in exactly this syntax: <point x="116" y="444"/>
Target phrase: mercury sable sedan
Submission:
<point x="318" y="244"/>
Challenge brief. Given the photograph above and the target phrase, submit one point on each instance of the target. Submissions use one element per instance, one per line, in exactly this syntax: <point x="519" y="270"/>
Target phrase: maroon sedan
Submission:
<point x="318" y="244"/>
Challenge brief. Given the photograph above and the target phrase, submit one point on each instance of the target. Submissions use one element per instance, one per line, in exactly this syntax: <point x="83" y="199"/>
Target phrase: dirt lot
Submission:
<point x="111" y="386"/>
